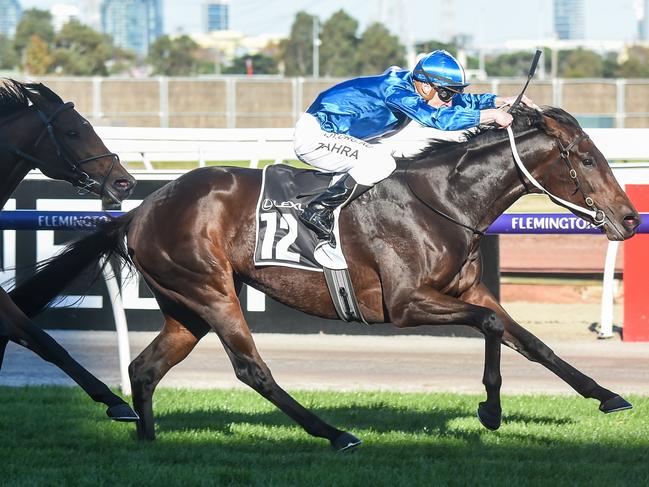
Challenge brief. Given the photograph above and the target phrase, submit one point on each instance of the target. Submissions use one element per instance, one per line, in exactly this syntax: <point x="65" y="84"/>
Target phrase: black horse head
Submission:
<point x="46" y="133"/>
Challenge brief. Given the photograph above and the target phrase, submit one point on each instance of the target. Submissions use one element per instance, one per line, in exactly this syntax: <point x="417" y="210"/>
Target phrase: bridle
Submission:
<point x="597" y="215"/>
<point x="74" y="172"/>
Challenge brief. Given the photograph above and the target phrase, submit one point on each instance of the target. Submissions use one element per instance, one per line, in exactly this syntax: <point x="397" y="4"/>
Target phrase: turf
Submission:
<point x="57" y="436"/>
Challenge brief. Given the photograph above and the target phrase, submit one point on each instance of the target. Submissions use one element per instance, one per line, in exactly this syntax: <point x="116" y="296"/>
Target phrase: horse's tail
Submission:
<point x="53" y="275"/>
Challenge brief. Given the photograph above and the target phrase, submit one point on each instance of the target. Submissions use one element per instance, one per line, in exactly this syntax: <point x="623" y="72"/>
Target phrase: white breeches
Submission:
<point x="366" y="163"/>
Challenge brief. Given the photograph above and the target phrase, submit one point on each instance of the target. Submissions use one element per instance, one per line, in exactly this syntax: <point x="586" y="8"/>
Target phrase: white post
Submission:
<point x="146" y="161"/>
<point x="123" y="345"/>
<point x="163" y="100"/>
<point x="201" y="157"/>
<point x="608" y="290"/>
<point x="620" y="103"/>
<point x="97" y="113"/>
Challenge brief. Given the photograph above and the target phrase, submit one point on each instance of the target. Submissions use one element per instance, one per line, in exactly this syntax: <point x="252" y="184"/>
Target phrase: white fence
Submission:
<point x="145" y="145"/>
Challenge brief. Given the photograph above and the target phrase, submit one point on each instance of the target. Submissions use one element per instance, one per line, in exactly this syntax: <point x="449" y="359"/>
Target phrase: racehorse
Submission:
<point x="38" y="130"/>
<point x="411" y="244"/>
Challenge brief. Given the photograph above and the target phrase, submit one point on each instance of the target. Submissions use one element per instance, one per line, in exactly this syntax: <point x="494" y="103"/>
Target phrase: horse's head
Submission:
<point x="576" y="171"/>
<point x="65" y="146"/>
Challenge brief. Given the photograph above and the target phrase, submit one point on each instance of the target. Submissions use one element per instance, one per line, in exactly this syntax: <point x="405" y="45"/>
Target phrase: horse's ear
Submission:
<point x="36" y="90"/>
<point x="552" y="127"/>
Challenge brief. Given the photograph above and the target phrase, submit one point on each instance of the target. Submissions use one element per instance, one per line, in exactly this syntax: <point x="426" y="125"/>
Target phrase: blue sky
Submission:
<point x="489" y="21"/>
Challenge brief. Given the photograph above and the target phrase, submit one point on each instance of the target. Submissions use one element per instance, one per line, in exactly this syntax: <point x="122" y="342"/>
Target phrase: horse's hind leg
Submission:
<point x="4" y="339"/>
<point x="528" y="345"/>
<point x="23" y="331"/>
<point x="249" y="368"/>
<point x="169" y="348"/>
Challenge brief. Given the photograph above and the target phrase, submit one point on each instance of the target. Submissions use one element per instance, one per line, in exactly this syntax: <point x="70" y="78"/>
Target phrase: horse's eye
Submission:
<point x="72" y="133"/>
<point x="588" y="162"/>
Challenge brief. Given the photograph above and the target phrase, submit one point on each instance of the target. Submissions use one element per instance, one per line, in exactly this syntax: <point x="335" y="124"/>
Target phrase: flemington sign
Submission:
<point x="541" y="223"/>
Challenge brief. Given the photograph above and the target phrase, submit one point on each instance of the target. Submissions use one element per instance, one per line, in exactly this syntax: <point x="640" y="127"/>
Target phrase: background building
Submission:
<point x="10" y="13"/>
<point x="642" y="16"/>
<point x="569" y="19"/>
<point x="216" y="15"/>
<point x="133" y="24"/>
<point x="62" y="13"/>
<point x="91" y="13"/>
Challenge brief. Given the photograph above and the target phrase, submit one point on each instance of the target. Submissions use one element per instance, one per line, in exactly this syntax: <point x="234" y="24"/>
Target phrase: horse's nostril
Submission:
<point x="122" y="184"/>
<point x="631" y="221"/>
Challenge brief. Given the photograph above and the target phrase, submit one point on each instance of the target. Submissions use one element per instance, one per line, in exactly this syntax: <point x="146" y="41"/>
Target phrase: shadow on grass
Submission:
<point x="381" y="420"/>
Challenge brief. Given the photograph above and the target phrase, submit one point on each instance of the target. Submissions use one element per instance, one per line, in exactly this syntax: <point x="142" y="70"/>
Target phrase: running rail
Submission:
<point x="508" y="223"/>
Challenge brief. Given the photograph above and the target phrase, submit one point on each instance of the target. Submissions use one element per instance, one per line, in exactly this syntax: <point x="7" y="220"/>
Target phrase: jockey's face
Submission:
<point x="428" y="93"/>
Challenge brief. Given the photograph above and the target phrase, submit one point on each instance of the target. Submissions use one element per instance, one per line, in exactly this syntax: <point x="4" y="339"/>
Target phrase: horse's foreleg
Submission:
<point x="427" y="306"/>
<point x="23" y="331"/>
<point x="169" y="348"/>
<point x="528" y="345"/>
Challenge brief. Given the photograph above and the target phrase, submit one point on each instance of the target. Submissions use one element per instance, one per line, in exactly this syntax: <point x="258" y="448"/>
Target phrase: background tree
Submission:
<point x="174" y="57"/>
<point x="434" y="45"/>
<point x="610" y="66"/>
<point x="378" y="50"/>
<point x="261" y="64"/>
<point x="339" y="42"/>
<point x="8" y="56"/>
<point x="580" y="63"/>
<point x="33" y="22"/>
<point x="38" y="58"/>
<point x="636" y="64"/>
<point x="508" y="64"/>
<point x="297" y="50"/>
<point x="81" y="51"/>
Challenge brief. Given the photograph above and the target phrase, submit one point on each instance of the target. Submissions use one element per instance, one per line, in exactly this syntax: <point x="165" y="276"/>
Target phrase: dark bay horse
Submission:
<point x="411" y="244"/>
<point x="38" y="130"/>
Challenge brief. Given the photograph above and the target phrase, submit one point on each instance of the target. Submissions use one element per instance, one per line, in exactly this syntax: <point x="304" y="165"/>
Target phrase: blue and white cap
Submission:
<point x="440" y="68"/>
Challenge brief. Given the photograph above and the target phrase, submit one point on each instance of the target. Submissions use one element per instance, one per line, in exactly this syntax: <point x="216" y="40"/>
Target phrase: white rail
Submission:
<point x="145" y="145"/>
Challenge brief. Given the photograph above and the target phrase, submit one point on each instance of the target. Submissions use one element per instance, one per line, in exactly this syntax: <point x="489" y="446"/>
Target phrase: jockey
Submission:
<point x="340" y="130"/>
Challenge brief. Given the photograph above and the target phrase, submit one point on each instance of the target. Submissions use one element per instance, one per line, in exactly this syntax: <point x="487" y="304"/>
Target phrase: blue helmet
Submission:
<point x="441" y="69"/>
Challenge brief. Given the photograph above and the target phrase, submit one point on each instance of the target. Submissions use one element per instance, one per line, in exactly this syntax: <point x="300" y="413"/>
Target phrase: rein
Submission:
<point x="74" y="173"/>
<point x="475" y="231"/>
<point x="597" y="215"/>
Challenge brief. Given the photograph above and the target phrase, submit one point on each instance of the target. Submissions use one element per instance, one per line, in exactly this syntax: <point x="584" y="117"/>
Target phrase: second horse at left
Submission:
<point x="39" y="131"/>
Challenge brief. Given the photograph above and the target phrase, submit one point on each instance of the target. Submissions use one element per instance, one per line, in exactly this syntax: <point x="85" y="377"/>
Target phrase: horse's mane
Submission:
<point x="525" y="118"/>
<point x="14" y="95"/>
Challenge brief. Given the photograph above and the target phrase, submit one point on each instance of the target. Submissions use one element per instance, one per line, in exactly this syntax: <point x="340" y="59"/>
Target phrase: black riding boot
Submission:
<point x="319" y="214"/>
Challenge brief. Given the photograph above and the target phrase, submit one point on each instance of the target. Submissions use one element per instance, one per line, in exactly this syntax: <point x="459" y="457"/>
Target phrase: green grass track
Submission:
<point x="57" y="436"/>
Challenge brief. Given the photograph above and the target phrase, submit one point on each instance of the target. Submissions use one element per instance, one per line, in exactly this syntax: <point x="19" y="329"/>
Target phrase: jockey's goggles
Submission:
<point x="445" y="93"/>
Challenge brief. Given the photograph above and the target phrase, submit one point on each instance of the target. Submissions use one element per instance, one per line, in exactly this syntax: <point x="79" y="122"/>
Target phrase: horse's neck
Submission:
<point x="12" y="169"/>
<point x="12" y="172"/>
<point x="485" y="182"/>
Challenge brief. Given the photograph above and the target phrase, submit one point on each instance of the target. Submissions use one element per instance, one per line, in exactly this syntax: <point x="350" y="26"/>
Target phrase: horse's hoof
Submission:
<point x="614" y="404"/>
<point x="489" y="420"/>
<point x="122" y="412"/>
<point x="345" y="442"/>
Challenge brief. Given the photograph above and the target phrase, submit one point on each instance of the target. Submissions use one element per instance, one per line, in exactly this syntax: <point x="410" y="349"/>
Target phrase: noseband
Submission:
<point x="74" y="173"/>
<point x="597" y="215"/>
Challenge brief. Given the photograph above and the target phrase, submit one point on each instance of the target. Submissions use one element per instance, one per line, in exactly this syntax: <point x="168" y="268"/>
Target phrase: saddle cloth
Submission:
<point x="281" y="238"/>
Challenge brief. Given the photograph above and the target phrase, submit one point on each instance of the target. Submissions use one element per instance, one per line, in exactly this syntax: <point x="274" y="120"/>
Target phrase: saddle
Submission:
<point x="282" y="239"/>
